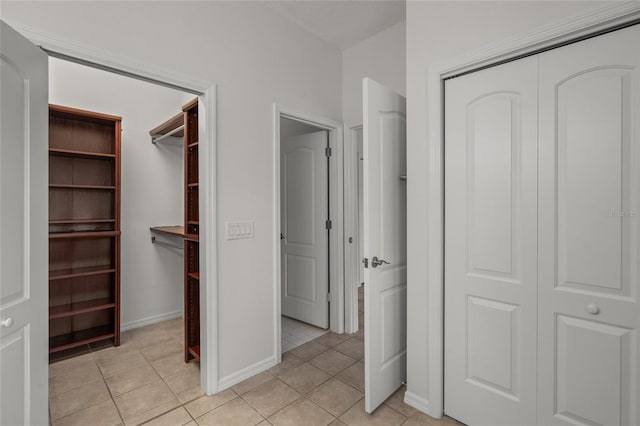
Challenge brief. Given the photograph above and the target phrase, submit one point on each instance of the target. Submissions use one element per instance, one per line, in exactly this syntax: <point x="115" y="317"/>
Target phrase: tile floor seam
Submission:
<point x="292" y="402"/>
<point x="109" y="390"/>
<point x="271" y="415"/>
<point x="162" y="414"/>
<point x="320" y="406"/>
<point x="228" y="402"/>
<point x="77" y="411"/>
<point x="347" y="383"/>
<point x="73" y="388"/>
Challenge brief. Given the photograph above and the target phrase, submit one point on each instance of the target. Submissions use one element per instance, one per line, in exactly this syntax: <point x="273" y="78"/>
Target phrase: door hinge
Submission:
<point x="328" y="224"/>
<point x="327" y="151"/>
<point x="366" y="262"/>
<point x="328" y="297"/>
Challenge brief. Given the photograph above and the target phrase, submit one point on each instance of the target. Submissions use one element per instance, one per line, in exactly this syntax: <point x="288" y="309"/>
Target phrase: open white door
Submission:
<point x="305" y="238"/>
<point x="23" y="231"/>
<point x="385" y="242"/>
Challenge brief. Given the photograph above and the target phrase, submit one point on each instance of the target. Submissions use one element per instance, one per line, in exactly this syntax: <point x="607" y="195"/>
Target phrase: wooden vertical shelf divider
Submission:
<point x="84" y="230"/>
<point x="192" y="232"/>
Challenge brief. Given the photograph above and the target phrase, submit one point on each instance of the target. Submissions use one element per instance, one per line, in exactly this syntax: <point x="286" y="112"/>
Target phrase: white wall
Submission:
<point x="152" y="179"/>
<point x="256" y="57"/>
<point x="437" y="30"/>
<point x="380" y="57"/>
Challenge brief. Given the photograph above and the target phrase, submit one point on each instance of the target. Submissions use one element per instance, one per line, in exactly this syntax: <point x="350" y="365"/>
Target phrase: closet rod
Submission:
<point x="162" y="243"/>
<point x="156" y="139"/>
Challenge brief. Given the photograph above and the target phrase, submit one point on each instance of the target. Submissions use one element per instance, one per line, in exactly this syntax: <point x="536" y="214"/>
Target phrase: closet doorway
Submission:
<point x="36" y="351"/>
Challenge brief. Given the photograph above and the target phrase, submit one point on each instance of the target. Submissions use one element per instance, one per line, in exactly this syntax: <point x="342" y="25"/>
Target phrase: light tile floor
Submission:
<point x="296" y="333"/>
<point x="145" y="381"/>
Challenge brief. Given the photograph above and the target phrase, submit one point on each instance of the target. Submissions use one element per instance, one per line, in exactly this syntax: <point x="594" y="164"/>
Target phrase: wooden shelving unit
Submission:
<point x="84" y="230"/>
<point x="185" y="124"/>
<point x="192" y="232"/>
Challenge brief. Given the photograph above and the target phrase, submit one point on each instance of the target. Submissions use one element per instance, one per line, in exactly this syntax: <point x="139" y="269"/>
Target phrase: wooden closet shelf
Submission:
<point x="192" y="237"/>
<point x="76" y="308"/>
<point x="190" y="105"/>
<point x="64" y="274"/>
<point x="85" y="154"/>
<point x="194" y="275"/>
<point x="195" y="351"/>
<point x="94" y="234"/>
<point x="69" y="186"/>
<point x="79" y="338"/>
<point x="169" y="125"/>
<point x="73" y="221"/>
<point x="176" y="231"/>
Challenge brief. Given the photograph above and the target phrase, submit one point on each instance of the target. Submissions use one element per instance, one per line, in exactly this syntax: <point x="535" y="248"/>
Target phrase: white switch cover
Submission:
<point x="237" y="230"/>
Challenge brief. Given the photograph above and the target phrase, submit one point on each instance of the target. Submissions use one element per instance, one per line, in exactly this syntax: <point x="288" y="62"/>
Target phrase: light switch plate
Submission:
<point x="239" y="229"/>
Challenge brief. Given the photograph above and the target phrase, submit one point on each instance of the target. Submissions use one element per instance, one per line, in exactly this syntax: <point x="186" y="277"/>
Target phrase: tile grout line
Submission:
<point x="104" y="379"/>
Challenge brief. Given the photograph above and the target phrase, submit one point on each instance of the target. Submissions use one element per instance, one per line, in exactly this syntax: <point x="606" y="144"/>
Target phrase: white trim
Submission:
<point x="96" y="58"/>
<point x="416" y="401"/>
<point x="562" y="32"/>
<point x="153" y="319"/>
<point x="336" y="189"/>
<point x="351" y="228"/>
<point x="247" y="372"/>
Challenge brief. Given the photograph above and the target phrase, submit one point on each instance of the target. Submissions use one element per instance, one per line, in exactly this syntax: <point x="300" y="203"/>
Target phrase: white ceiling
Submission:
<point x="342" y="23"/>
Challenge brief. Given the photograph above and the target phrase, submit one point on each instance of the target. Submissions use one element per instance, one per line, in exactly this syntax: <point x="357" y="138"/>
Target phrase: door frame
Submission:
<point x="351" y="227"/>
<point x="72" y="51"/>
<point x="336" y="233"/>
<point x="566" y="31"/>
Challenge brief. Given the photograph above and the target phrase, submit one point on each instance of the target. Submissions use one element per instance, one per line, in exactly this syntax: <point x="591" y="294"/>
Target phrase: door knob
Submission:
<point x="593" y="309"/>
<point x="7" y="322"/>
<point x="377" y="262"/>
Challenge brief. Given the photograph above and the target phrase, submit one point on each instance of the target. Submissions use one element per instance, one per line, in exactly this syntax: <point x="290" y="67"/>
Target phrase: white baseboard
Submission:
<point x="150" y="320"/>
<point x="245" y="373"/>
<point x="417" y="402"/>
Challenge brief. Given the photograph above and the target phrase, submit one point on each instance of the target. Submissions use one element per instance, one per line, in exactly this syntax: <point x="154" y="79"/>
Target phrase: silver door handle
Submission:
<point x="377" y="262"/>
<point x="7" y="322"/>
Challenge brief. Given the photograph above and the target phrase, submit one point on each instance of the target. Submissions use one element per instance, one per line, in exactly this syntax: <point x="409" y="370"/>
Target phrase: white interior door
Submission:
<point x="590" y="231"/>
<point x="490" y="245"/>
<point x="23" y="231"/>
<point x="304" y="212"/>
<point x="385" y="240"/>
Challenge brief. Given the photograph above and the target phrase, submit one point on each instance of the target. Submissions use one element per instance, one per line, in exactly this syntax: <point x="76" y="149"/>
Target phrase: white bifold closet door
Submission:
<point x="542" y="264"/>
<point x="589" y="231"/>
<point x="490" y="245"/>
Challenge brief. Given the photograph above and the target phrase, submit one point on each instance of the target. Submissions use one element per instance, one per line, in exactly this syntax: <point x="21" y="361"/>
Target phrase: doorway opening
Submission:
<point x="308" y="257"/>
<point x="304" y="231"/>
<point x="354" y="228"/>
<point x="135" y="292"/>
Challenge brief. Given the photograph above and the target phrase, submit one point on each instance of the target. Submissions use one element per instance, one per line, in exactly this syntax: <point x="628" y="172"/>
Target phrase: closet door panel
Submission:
<point x="490" y="245"/>
<point x="589" y="231"/>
